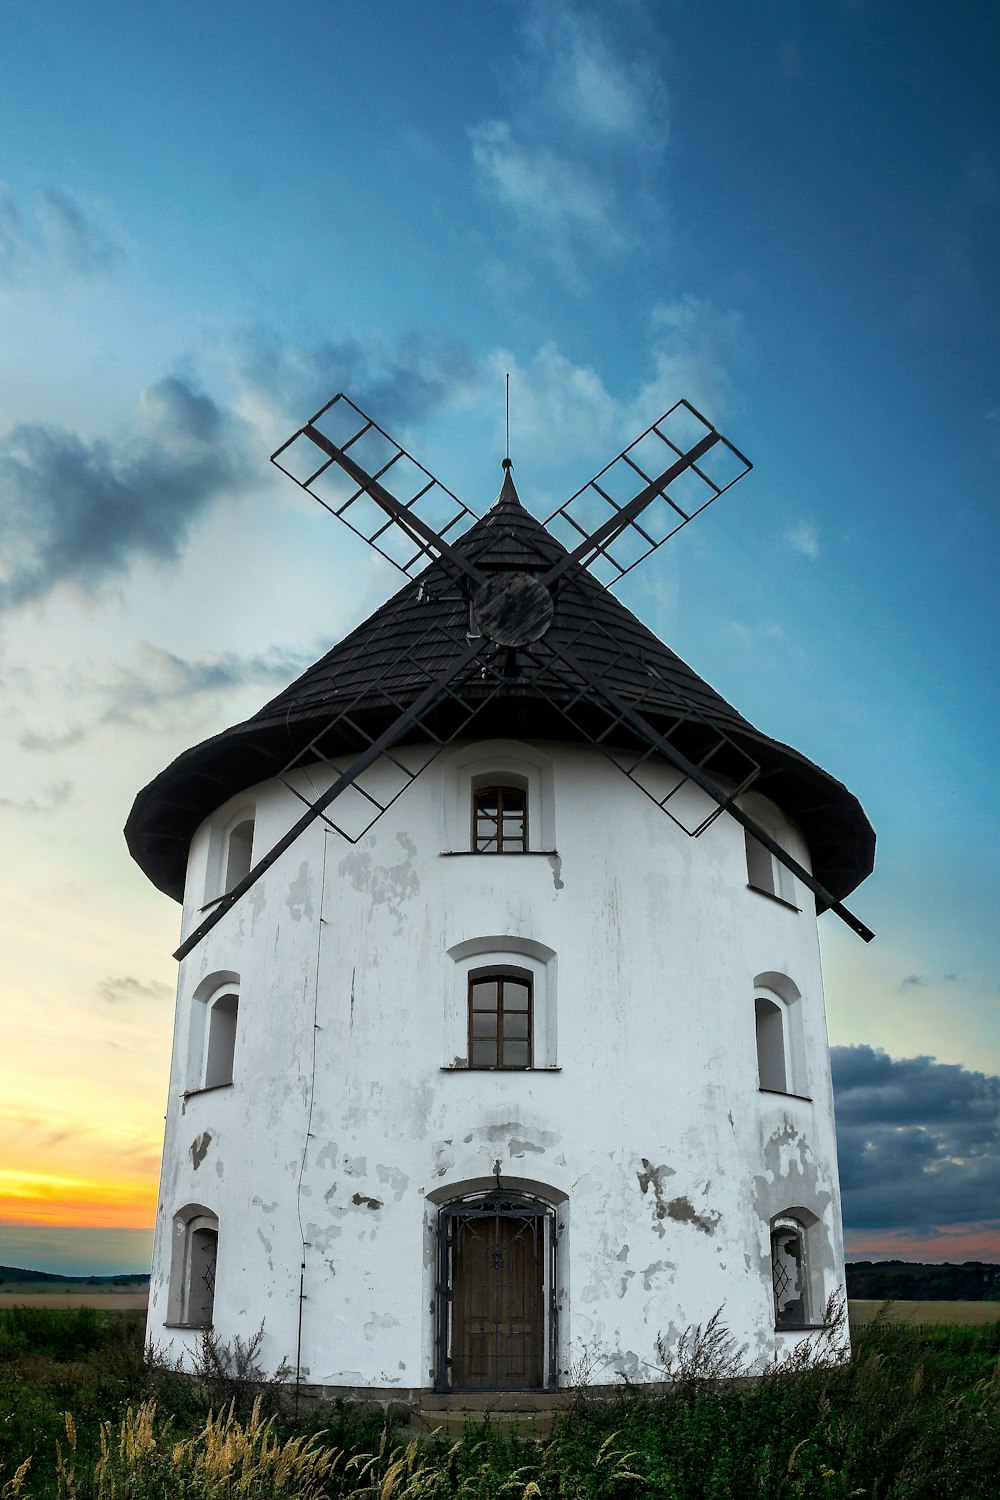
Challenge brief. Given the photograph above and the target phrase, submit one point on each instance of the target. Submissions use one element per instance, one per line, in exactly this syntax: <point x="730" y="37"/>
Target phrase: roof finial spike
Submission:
<point x="506" y="463"/>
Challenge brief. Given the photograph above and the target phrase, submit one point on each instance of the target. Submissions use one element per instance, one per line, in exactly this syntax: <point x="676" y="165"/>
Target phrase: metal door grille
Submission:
<point x="496" y="1294"/>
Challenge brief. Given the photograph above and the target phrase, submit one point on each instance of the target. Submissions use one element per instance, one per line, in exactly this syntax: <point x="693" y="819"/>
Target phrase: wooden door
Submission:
<point x="498" y="1303"/>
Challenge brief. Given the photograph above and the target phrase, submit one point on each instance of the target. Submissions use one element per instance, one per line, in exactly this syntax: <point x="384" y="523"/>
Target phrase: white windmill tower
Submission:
<point x="513" y="1069"/>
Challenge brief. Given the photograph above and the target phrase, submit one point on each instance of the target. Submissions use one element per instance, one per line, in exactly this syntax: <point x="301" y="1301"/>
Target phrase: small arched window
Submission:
<point x="499" y="819"/>
<point x="220" y="1046"/>
<point x="214" y="1021"/>
<point x="772" y="1069"/>
<point x="193" y="1267"/>
<point x="789" y="1273"/>
<point x="500" y="1018"/>
<point x="239" y="853"/>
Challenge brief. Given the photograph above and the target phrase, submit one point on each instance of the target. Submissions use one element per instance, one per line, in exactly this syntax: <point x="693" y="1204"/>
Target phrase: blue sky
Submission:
<point x="214" y="217"/>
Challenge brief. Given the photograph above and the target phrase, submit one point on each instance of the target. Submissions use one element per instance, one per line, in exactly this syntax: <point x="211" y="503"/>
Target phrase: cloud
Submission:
<point x="914" y="982"/>
<point x="81" y="513"/>
<point x="134" y="695"/>
<point x="694" y="348"/>
<point x="59" y="236"/>
<point x="803" y="538"/>
<point x="54" y="795"/>
<point x="397" y="384"/>
<point x="557" y="201"/>
<point x="918" y="1140"/>
<point x="13" y="238"/>
<point x="76" y="242"/>
<point x="127" y="989"/>
<point x="572" y="167"/>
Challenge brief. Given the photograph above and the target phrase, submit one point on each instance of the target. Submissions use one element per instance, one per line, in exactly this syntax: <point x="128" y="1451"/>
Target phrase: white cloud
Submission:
<point x="695" y="346"/>
<point x="803" y="538"/>
<point x="572" y="165"/>
<point x="552" y="199"/>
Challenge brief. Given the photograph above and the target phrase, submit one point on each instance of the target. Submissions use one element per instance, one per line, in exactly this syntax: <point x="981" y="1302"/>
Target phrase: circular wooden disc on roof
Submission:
<point x="513" y="609"/>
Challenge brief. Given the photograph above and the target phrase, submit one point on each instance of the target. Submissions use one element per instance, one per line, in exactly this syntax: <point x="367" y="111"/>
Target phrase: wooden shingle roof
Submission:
<point x="392" y="656"/>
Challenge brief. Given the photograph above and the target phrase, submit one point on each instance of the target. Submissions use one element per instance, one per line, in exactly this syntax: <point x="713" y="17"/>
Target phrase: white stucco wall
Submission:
<point x="351" y="1116"/>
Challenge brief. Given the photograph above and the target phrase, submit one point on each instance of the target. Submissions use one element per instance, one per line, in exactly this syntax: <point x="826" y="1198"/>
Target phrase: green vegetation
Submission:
<point x="86" y="1415"/>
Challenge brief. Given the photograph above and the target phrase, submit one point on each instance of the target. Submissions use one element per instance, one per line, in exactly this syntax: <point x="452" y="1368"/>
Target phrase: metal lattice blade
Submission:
<point x="365" y="478"/>
<point x="582" y="692"/>
<point x="362" y="786"/>
<point x="681" y="462"/>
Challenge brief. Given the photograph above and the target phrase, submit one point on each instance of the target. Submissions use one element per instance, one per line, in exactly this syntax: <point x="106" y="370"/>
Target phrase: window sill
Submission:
<point x="464" y="1068"/>
<point x="212" y="1088"/>
<point x="786" y="1094"/>
<point x="773" y="896"/>
<point x="499" y="853"/>
<point x="800" y="1327"/>
<point x="196" y="1327"/>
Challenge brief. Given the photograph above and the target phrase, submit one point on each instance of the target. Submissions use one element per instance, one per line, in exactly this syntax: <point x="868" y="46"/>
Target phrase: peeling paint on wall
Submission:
<point x="199" y="1147"/>
<point x="362" y="1198"/>
<point x="682" y="1211"/>
<point x="299" y="894"/>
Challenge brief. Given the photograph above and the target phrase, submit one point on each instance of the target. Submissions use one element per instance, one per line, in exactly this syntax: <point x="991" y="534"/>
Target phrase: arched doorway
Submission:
<point x="496" y="1293"/>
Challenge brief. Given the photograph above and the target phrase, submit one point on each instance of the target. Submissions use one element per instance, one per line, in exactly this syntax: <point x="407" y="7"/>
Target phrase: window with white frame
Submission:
<point x="230" y="848"/>
<point x="193" y="1266"/>
<point x="500" y="1010"/>
<point x="212" y="1033"/>
<point x="781" y="1060"/>
<point x="508" y="787"/>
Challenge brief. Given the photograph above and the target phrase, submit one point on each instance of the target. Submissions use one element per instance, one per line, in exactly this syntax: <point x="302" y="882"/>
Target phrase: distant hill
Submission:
<point x="912" y="1281"/>
<point x="18" y="1274"/>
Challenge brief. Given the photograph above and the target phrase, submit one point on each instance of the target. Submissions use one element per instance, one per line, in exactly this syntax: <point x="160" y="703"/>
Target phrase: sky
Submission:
<point x="213" y="218"/>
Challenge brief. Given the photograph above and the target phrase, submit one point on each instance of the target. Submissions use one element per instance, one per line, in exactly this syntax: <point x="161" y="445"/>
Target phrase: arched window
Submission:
<point x="504" y="790"/>
<point x="499" y="819"/>
<point x="500" y="1018"/>
<point x="193" y="1267"/>
<point x="790" y="1273"/>
<point x="500" y="1009"/>
<point x="214" y="1021"/>
<point x="239" y="852"/>
<point x="781" y="1056"/>
<point x="221" y="1041"/>
<point x="770" y="1023"/>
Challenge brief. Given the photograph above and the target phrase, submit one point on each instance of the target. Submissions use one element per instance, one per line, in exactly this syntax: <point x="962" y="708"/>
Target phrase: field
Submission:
<point x="74" y="1294"/>
<point x="86" y="1415"/>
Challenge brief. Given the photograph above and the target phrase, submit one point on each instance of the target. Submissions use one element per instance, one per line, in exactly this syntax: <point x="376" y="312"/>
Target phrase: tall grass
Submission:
<point x="913" y="1415"/>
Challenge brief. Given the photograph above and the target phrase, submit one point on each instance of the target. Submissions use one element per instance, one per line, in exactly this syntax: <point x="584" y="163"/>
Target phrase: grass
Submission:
<point x="914" y="1415"/>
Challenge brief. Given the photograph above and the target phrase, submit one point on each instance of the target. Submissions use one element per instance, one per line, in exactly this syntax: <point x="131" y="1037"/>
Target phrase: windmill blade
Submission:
<point x="365" y="786"/>
<point x="592" y="705"/>
<point x="681" y="460"/>
<point x="361" y="475"/>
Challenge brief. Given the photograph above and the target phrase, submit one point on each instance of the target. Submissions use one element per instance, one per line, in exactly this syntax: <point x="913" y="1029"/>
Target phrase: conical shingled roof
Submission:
<point x="390" y="658"/>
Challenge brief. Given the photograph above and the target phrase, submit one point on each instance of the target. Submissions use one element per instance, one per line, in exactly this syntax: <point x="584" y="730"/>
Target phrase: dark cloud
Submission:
<point x="127" y="989"/>
<point x="161" y="678"/>
<point x="82" y="512"/>
<point x="395" y="384"/>
<point x="53" y="796"/>
<point x="914" y="981"/>
<point x="918" y="1141"/>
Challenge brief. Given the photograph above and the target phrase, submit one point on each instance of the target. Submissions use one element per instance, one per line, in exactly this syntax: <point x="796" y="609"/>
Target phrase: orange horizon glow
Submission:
<point x="45" y="1199"/>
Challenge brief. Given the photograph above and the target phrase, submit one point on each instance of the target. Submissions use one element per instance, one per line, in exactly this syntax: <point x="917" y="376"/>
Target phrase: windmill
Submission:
<point x="426" y="1104"/>
<point x="671" y="473"/>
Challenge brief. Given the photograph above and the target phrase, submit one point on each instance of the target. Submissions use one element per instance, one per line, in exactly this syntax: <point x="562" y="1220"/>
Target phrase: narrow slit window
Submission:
<point x="499" y="820"/>
<point x="239" y="853"/>
<point x="500" y="1021"/>
<point x="772" y="1070"/>
<point x="220" y="1051"/>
